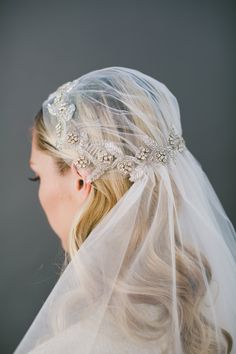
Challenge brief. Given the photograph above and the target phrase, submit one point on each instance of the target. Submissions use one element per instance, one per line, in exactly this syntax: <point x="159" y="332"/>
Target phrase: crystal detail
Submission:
<point x="161" y="156"/>
<point x="81" y="162"/>
<point x="125" y="167"/>
<point x="58" y="129"/>
<point x="175" y="141"/>
<point x="61" y="107"/>
<point x="143" y="153"/>
<point x="72" y="138"/>
<point x="105" y="155"/>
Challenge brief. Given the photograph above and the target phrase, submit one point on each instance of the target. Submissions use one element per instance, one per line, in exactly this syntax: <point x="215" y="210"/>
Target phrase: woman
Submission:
<point x="149" y="251"/>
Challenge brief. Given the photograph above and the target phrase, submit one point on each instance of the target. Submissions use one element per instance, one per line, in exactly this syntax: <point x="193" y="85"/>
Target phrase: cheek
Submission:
<point x="57" y="206"/>
<point x="48" y="195"/>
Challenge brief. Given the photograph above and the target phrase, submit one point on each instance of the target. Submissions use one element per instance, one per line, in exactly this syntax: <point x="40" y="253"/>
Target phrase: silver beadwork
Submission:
<point x="125" y="167"/>
<point x="175" y="141"/>
<point x="133" y="167"/>
<point x="81" y="162"/>
<point x="162" y="156"/>
<point x="72" y="138"/>
<point x="61" y="107"/>
<point x="58" y="129"/>
<point x="106" y="155"/>
<point x="143" y="153"/>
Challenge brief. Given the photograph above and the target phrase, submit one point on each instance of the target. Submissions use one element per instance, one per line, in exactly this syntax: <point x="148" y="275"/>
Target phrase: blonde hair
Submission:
<point x="197" y="332"/>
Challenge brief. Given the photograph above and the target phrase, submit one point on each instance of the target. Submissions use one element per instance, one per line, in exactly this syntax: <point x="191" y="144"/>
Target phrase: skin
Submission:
<point x="60" y="197"/>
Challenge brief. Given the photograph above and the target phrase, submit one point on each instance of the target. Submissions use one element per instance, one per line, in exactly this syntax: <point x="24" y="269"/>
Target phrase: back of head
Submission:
<point x="145" y="234"/>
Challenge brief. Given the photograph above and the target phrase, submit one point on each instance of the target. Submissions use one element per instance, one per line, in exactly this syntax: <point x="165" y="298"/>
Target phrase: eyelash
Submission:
<point x="34" y="179"/>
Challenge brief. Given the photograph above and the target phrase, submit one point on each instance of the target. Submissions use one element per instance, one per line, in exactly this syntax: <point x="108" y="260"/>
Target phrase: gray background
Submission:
<point x="188" y="45"/>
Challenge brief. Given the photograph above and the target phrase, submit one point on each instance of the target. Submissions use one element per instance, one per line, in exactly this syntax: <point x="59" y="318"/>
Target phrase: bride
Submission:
<point x="150" y="257"/>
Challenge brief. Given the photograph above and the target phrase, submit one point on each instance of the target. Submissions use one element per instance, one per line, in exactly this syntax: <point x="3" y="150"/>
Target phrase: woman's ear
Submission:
<point x="80" y="177"/>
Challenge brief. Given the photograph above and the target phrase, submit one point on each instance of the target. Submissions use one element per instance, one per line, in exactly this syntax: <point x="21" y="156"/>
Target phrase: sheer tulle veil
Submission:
<point x="157" y="273"/>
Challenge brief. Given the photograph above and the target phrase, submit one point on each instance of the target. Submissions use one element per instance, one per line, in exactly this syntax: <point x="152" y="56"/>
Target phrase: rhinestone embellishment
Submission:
<point x="72" y="138"/>
<point x="61" y="110"/>
<point x="143" y="153"/>
<point x="176" y="141"/>
<point x="162" y="156"/>
<point x="61" y="107"/>
<point x="58" y="129"/>
<point x="125" y="167"/>
<point x="81" y="162"/>
<point x="105" y="155"/>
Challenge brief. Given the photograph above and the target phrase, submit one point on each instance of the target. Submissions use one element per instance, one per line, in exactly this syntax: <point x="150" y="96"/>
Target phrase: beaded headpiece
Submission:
<point x="151" y="265"/>
<point x="106" y="155"/>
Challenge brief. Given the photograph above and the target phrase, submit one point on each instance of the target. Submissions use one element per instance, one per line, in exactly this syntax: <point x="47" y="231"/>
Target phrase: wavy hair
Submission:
<point x="197" y="333"/>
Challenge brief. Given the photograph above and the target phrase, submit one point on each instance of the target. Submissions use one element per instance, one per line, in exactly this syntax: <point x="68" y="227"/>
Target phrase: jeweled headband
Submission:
<point x="106" y="155"/>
